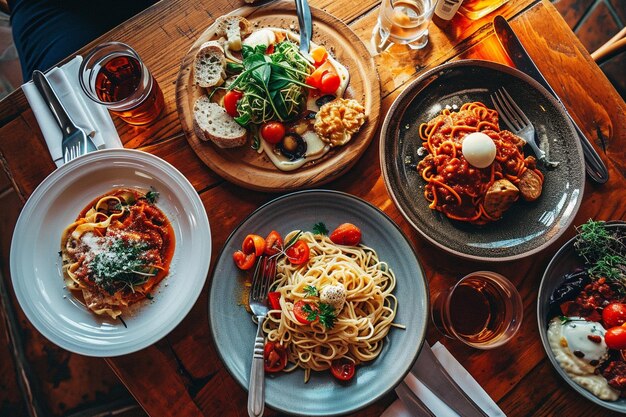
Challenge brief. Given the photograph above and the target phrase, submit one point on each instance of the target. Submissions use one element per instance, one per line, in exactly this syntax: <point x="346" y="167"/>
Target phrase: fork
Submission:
<point x="75" y="140"/>
<point x="264" y="274"/>
<point x="517" y="121"/>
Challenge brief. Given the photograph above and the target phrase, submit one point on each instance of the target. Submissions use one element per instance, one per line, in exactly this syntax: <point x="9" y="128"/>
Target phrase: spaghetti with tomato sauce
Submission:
<point x="462" y="191"/>
<point x="117" y="251"/>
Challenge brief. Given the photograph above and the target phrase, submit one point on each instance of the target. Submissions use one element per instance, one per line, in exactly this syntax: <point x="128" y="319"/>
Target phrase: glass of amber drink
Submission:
<point x="483" y="310"/>
<point x="113" y="75"/>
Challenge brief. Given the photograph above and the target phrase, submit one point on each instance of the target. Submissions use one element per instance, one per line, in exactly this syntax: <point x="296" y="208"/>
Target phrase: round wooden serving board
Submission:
<point x="247" y="168"/>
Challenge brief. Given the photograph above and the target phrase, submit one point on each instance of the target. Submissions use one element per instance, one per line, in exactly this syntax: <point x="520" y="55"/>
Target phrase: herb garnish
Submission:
<point x="152" y="196"/>
<point x="320" y="229"/>
<point x="121" y="266"/>
<point x="325" y="312"/>
<point x="604" y="250"/>
<point x="311" y="291"/>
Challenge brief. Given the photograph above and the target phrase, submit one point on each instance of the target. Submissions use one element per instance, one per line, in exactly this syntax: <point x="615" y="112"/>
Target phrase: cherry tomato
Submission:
<point x="270" y="49"/>
<point x="244" y="261"/>
<point x="301" y="314"/>
<point x="614" y="315"/>
<point x="273" y="243"/>
<point x="253" y="244"/>
<point x="342" y="369"/>
<point x="273" y="297"/>
<point x="275" y="357"/>
<point x="615" y="338"/>
<point x="273" y="132"/>
<point x="315" y="79"/>
<point x="329" y="83"/>
<point x="346" y="234"/>
<point x="230" y="102"/>
<point x="298" y="253"/>
<point x="319" y="56"/>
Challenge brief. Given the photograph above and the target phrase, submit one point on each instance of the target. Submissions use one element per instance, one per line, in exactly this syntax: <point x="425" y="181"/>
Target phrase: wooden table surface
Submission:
<point x="181" y="374"/>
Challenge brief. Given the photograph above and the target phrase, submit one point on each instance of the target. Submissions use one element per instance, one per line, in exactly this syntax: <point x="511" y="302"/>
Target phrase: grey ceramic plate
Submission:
<point x="526" y="227"/>
<point x="563" y="262"/>
<point x="233" y="330"/>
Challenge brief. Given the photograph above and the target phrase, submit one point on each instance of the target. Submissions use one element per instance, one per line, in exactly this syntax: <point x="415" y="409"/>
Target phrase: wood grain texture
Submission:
<point x="182" y="374"/>
<point x="245" y="166"/>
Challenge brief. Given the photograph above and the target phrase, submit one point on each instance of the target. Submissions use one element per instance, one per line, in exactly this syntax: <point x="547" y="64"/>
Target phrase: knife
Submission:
<point x="412" y="402"/>
<point x="306" y="26"/>
<point x="432" y="374"/>
<point x="595" y="167"/>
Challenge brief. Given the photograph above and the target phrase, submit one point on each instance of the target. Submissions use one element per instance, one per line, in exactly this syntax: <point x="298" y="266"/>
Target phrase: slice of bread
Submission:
<point x="209" y="66"/>
<point x="211" y="122"/>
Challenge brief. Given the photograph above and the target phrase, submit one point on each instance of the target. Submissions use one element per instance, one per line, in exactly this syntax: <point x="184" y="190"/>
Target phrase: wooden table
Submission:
<point x="181" y="374"/>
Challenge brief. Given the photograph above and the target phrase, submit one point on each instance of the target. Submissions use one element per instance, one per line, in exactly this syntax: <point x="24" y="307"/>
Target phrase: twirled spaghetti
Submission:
<point x="361" y="323"/>
<point x="118" y="249"/>
<point x="462" y="191"/>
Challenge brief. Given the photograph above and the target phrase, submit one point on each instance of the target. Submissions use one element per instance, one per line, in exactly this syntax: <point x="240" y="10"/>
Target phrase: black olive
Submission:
<point x="292" y="146"/>
<point x="570" y="288"/>
<point x="324" y="99"/>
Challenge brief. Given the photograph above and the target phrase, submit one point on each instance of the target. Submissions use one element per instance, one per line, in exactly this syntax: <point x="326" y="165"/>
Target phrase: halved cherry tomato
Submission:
<point x="315" y="79"/>
<point x="273" y="132"/>
<point x="329" y="83"/>
<point x="273" y="243"/>
<point x="230" y="102"/>
<point x="614" y="315"/>
<point x="342" y="369"/>
<point x="300" y="312"/>
<point x="298" y="253"/>
<point x="244" y="261"/>
<point x="615" y="338"/>
<point x="319" y="56"/>
<point x="273" y="298"/>
<point x="253" y="244"/>
<point x="275" y="357"/>
<point x="270" y="49"/>
<point x="346" y="234"/>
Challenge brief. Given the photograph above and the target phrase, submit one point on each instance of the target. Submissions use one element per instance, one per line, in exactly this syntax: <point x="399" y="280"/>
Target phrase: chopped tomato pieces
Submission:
<point x="346" y="234"/>
<point x="244" y="261"/>
<point x="298" y="253"/>
<point x="273" y="298"/>
<point x="275" y="357"/>
<point x="253" y="244"/>
<point x="342" y="369"/>
<point x="273" y="243"/>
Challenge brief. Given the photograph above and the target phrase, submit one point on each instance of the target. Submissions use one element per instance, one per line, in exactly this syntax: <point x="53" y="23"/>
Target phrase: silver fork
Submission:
<point x="75" y="140"/>
<point x="264" y="274"/>
<point x="519" y="124"/>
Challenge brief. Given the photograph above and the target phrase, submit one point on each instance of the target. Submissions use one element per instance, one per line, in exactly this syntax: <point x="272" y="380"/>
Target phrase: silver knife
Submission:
<point x="595" y="167"/>
<point x="411" y="401"/>
<point x="432" y="374"/>
<point x="306" y="25"/>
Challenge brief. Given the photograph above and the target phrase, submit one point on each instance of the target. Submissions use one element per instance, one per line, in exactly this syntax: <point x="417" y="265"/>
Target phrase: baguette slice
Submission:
<point x="211" y="122"/>
<point x="209" y="66"/>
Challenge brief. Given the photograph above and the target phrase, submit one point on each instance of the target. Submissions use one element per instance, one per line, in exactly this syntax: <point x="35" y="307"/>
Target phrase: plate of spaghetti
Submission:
<point x="464" y="181"/>
<point x="348" y="309"/>
<point x="98" y="250"/>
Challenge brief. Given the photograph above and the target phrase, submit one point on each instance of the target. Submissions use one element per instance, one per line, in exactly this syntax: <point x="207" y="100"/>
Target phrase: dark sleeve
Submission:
<point x="47" y="31"/>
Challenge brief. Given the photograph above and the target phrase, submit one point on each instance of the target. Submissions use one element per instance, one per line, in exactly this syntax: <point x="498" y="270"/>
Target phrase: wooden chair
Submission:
<point x="613" y="47"/>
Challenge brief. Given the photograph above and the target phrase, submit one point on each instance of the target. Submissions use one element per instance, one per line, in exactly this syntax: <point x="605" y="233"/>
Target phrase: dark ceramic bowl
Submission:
<point x="525" y="228"/>
<point x="565" y="261"/>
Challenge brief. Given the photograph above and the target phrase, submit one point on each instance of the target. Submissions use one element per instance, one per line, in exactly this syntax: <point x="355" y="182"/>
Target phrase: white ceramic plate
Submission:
<point x="36" y="264"/>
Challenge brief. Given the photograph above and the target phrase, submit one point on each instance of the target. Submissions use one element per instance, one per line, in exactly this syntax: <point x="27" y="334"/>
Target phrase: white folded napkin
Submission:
<point x="86" y="113"/>
<point x="438" y="407"/>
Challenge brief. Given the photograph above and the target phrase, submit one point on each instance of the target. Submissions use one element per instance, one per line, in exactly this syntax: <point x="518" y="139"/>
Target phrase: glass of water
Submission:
<point x="403" y="22"/>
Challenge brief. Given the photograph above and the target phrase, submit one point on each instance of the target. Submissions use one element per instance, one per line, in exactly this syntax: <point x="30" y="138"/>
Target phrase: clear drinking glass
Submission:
<point x="403" y="22"/>
<point x="483" y="310"/>
<point x="114" y="75"/>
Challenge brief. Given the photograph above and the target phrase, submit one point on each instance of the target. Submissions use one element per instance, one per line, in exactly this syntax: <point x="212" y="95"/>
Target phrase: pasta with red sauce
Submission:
<point x="464" y="192"/>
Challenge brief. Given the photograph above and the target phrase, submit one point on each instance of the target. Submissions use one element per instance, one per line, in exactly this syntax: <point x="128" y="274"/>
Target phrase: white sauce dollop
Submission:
<point x="479" y="149"/>
<point x="565" y="339"/>
<point x="260" y="37"/>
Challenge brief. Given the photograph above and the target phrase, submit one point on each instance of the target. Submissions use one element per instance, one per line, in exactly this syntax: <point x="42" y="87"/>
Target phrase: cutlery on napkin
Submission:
<point x="87" y="114"/>
<point x="436" y="406"/>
